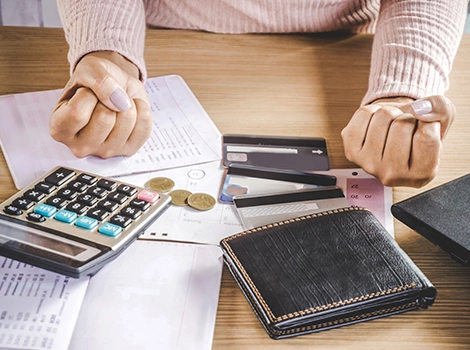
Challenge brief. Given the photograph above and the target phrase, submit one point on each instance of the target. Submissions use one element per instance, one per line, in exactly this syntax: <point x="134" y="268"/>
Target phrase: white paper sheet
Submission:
<point x="183" y="134"/>
<point x="156" y="295"/>
<point x="38" y="308"/>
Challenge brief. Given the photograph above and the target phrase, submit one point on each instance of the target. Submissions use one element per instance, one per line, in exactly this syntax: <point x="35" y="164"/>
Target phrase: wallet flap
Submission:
<point x="322" y="266"/>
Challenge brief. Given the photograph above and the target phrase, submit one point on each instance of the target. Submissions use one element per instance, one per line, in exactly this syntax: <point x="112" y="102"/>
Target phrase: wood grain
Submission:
<point x="295" y="85"/>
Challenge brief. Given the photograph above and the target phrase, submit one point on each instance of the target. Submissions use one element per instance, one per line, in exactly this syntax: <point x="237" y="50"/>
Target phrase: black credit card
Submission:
<point x="293" y="153"/>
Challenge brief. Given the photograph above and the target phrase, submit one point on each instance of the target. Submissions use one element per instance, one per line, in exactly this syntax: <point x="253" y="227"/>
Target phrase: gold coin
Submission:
<point x="160" y="184"/>
<point x="179" y="197"/>
<point x="201" y="201"/>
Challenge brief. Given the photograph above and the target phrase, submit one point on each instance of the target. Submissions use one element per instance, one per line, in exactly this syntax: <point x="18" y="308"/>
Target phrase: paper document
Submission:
<point x="38" y="308"/>
<point x="155" y="295"/>
<point x="182" y="134"/>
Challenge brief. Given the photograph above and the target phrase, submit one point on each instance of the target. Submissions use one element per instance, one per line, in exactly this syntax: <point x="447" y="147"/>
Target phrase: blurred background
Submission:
<point x="43" y="13"/>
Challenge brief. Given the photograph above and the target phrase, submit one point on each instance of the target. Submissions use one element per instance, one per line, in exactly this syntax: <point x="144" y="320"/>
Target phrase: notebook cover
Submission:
<point x="323" y="271"/>
<point x="442" y="215"/>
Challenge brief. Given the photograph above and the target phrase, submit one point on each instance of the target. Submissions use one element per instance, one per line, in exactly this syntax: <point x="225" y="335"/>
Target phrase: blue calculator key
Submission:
<point x="45" y="210"/>
<point x="86" y="222"/>
<point x="65" y="216"/>
<point x="110" y="229"/>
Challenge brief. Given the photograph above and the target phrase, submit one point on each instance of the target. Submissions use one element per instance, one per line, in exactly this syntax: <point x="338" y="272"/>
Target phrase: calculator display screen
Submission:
<point x="12" y="233"/>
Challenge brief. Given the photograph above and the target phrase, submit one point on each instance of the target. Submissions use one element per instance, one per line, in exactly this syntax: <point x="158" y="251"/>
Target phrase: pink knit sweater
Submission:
<point x="414" y="46"/>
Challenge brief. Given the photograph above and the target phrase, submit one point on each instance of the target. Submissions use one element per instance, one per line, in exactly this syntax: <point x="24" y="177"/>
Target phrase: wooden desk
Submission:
<point x="304" y="85"/>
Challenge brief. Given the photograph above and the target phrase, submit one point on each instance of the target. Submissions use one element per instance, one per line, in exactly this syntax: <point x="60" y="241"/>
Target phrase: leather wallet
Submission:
<point x="442" y="215"/>
<point x="324" y="271"/>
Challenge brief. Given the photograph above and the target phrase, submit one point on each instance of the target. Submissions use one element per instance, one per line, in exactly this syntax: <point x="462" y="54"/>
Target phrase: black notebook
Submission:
<point x="323" y="271"/>
<point x="442" y="215"/>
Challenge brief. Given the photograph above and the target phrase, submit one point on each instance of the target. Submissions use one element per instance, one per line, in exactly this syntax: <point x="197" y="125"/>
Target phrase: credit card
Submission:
<point x="247" y="180"/>
<point x="259" y="210"/>
<point x="292" y="153"/>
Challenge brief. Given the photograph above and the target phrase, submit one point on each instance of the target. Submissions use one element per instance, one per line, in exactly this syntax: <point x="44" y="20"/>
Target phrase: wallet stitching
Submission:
<point x="310" y="310"/>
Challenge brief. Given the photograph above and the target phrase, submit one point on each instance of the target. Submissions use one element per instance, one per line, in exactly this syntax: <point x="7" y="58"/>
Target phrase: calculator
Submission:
<point x="74" y="222"/>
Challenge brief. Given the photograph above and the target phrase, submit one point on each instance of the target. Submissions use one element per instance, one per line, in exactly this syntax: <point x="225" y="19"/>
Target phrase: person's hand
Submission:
<point x="104" y="109"/>
<point x="399" y="140"/>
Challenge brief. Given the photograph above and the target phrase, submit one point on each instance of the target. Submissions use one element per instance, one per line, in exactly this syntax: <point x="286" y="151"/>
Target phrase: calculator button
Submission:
<point x="120" y="220"/>
<point x="108" y="205"/>
<point x="56" y="202"/>
<point x="12" y="210"/>
<point x="65" y="216"/>
<point x="88" y="179"/>
<point x="127" y="190"/>
<point x="45" y="210"/>
<point x="87" y="199"/>
<point x="97" y="191"/>
<point x="131" y="212"/>
<point x="110" y="229"/>
<point x="34" y="195"/>
<point x="35" y="217"/>
<point x="117" y="197"/>
<point x="109" y="185"/>
<point x="140" y="204"/>
<point x="67" y="193"/>
<point x="98" y="214"/>
<point x="44" y="187"/>
<point x="86" y="222"/>
<point x="23" y="203"/>
<point x="76" y="207"/>
<point x="77" y="186"/>
<point x="148" y="196"/>
<point x="60" y="176"/>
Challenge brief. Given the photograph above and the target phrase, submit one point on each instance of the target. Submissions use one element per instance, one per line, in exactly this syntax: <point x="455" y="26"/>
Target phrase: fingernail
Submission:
<point x="120" y="100"/>
<point x="422" y="107"/>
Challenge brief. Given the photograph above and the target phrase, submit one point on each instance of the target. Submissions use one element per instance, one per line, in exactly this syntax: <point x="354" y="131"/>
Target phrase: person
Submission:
<point x="396" y="133"/>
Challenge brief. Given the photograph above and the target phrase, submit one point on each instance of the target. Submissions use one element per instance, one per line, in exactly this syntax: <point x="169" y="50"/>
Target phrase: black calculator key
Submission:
<point x="34" y="195"/>
<point x="97" y="191"/>
<point x="77" y="186"/>
<point x="97" y="213"/>
<point x="76" y="207"/>
<point x="108" y="205"/>
<point x="131" y="212"/>
<point x="108" y="184"/>
<point x="60" y="176"/>
<point x="117" y="197"/>
<point x="44" y="187"/>
<point x="140" y="204"/>
<point x="23" y="203"/>
<point x="67" y="193"/>
<point x="35" y="217"/>
<point x="88" y="179"/>
<point x="56" y="202"/>
<point x="121" y="220"/>
<point x="87" y="199"/>
<point x="127" y="190"/>
<point x="12" y="210"/>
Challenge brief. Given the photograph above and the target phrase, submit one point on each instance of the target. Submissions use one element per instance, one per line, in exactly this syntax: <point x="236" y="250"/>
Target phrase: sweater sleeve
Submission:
<point x="414" y="46"/>
<point x="104" y="25"/>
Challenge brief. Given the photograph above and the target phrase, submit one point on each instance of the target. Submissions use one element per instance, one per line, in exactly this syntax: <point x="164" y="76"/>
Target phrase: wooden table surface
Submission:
<point x="293" y="85"/>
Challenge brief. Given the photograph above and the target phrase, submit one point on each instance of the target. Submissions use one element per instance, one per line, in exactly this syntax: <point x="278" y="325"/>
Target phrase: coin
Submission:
<point x="179" y="197"/>
<point x="201" y="201"/>
<point x="160" y="184"/>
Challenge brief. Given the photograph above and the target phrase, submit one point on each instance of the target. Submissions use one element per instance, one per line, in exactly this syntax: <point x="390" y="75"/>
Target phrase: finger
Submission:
<point x="89" y="140"/>
<point x="71" y="116"/>
<point x="426" y="151"/>
<point x="105" y="79"/>
<point x="354" y="134"/>
<point x="433" y="109"/>
<point x="142" y="129"/>
<point x="378" y="132"/>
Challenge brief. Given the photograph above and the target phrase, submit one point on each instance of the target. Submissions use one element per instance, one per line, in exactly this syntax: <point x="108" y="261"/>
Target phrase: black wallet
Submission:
<point x="324" y="271"/>
<point x="442" y="215"/>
